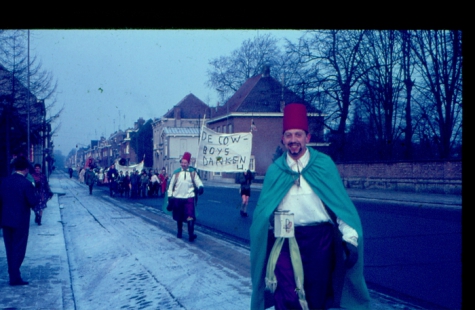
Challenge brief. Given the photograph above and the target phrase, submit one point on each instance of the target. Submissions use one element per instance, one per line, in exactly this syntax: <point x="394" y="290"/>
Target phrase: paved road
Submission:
<point x="57" y="280"/>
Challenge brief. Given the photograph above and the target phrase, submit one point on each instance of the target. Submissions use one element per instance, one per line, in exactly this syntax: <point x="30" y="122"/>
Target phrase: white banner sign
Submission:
<point x="130" y="169"/>
<point x="224" y="152"/>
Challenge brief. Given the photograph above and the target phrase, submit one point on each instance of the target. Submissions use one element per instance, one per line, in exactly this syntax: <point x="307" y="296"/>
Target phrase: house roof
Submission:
<point x="260" y="94"/>
<point x="181" y="131"/>
<point x="190" y="107"/>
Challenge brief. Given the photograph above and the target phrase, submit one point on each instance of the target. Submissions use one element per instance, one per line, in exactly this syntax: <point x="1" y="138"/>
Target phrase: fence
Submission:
<point x="429" y="177"/>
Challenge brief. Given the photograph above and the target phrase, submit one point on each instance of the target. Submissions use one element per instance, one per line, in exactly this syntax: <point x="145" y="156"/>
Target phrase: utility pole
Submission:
<point x="28" y="100"/>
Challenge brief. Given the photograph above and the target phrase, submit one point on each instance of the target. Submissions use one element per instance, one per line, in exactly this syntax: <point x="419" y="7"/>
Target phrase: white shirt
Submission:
<point x="154" y="178"/>
<point x="184" y="185"/>
<point x="306" y="206"/>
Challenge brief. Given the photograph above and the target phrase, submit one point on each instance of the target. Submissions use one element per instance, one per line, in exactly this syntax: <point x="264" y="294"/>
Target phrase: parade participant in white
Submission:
<point x="185" y="184"/>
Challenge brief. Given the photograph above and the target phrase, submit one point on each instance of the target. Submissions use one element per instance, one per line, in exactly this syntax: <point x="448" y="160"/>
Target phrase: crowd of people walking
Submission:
<point x="136" y="184"/>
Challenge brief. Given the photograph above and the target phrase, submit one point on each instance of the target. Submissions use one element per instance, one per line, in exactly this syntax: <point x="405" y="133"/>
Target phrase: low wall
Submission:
<point x="443" y="177"/>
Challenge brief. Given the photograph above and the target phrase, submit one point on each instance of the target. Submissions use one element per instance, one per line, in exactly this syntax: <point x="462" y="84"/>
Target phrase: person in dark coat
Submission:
<point x="134" y="184"/>
<point x="121" y="183"/>
<point x="112" y="176"/>
<point x="90" y="179"/>
<point x="163" y="177"/>
<point x="17" y="198"/>
<point x="43" y="192"/>
<point x="126" y="184"/>
<point x="143" y="184"/>
<point x="245" y="179"/>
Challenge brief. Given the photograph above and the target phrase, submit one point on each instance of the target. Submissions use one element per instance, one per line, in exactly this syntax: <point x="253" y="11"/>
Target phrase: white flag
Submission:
<point x="224" y="152"/>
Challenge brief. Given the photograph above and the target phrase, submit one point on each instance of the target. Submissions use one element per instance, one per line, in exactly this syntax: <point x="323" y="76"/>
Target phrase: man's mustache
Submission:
<point x="293" y="143"/>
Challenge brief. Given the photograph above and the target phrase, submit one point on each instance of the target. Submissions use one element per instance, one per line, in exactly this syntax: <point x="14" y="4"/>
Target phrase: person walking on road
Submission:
<point x="135" y="184"/>
<point x="43" y="192"/>
<point x="143" y="184"/>
<point x="180" y="197"/>
<point x="70" y="171"/>
<point x="316" y="260"/>
<point x="126" y="184"/>
<point x="154" y="184"/>
<point x="82" y="173"/>
<point x="112" y="176"/>
<point x="120" y="183"/>
<point x="17" y="198"/>
<point x="245" y="179"/>
<point x="90" y="179"/>
<point x="163" y="176"/>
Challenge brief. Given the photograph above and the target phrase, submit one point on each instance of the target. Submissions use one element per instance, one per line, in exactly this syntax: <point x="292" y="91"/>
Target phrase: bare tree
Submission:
<point x="13" y="96"/>
<point x="25" y="88"/>
<point x="334" y="59"/>
<point x="382" y="88"/>
<point x="228" y="73"/>
<point x="407" y="67"/>
<point x="439" y="55"/>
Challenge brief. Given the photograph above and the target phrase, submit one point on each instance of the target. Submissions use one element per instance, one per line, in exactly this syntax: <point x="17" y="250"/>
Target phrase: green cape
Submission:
<point x="323" y="177"/>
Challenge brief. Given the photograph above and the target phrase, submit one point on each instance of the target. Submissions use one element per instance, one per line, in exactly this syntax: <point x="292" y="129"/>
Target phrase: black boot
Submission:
<point x="36" y="218"/>
<point x="180" y="229"/>
<point x="191" y="231"/>
<point x="39" y="220"/>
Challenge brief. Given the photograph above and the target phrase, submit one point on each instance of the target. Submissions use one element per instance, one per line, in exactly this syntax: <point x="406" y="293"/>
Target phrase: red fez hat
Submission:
<point x="295" y="117"/>
<point x="186" y="156"/>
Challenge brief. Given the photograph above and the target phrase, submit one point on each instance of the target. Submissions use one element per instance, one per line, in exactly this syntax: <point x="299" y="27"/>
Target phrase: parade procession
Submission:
<point x="230" y="169"/>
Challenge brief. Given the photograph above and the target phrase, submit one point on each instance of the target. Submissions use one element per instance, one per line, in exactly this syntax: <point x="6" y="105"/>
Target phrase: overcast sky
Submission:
<point x="107" y="79"/>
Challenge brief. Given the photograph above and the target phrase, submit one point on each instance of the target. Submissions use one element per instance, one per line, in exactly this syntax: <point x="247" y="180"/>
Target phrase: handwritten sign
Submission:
<point x="224" y="152"/>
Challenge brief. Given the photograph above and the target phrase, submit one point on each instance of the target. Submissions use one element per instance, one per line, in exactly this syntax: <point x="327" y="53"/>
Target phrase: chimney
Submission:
<point x="266" y="71"/>
<point x="177" y="112"/>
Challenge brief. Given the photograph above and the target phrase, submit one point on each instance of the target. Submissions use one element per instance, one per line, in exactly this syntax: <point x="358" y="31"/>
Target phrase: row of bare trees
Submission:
<point x="26" y="98"/>
<point x="385" y="94"/>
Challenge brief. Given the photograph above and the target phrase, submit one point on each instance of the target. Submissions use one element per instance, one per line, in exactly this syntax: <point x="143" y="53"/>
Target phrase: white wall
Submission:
<point x="180" y="145"/>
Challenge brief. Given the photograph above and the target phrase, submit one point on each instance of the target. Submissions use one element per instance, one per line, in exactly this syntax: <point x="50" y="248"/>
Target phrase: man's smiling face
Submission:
<point x="295" y="141"/>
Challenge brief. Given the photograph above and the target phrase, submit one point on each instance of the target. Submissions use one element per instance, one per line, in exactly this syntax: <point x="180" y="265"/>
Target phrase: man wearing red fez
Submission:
<point x="180" y="198"/>
<point x="320" y="264"/>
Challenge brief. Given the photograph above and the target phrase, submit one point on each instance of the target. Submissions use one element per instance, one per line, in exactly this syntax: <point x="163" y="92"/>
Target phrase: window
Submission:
<point x="218" y="129"/>
<point x="230" y="128"/>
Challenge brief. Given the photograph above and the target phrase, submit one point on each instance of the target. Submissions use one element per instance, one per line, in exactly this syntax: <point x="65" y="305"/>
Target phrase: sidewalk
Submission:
<point x="46" y="264"/>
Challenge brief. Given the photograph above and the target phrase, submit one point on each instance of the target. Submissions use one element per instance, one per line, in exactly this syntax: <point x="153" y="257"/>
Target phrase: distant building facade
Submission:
<point x="177" y="131"/>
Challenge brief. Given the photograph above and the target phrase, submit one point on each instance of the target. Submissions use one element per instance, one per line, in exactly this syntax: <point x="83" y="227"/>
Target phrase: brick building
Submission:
<point x="178" y="131"/>
<point x="258" y="106"/>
